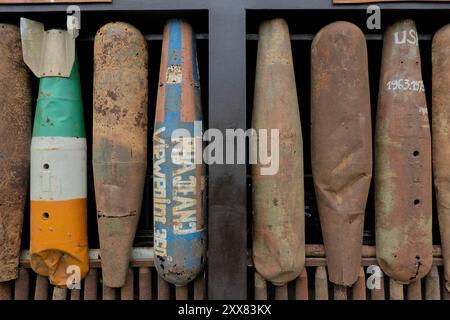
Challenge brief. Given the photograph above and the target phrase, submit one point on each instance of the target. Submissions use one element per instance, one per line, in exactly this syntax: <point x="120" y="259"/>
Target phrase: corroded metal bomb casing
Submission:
<point x="178" y="172"/>
<point x="119" y="142"/>
<point x="403" y="184"/>
<point x="15" y="138"/>
<point x="341" y="143"/>
<point x="441" y="139"/>
<point x="278" y="200"/>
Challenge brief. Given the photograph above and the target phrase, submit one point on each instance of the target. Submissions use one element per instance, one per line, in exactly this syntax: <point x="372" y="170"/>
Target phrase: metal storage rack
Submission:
<point x="227" y="32"/>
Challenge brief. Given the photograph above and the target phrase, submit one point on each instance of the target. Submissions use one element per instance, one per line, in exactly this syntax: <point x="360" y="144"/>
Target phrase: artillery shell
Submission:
<point x="403" y="160"/>
<point x="58" y="244"/>
<point x="341" y="144"/>
<point x="178" y="176"/>
<point x="119" y="142"/>
<point x="441" y="139"/>
<point x="15" y="138"/>
<point x="278" y="200"/>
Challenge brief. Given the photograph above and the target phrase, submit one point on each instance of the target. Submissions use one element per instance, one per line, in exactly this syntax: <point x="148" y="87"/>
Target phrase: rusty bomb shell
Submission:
<point x="441" y="139"/>
<point x="278" y="200"/>
<point x="403" y="184"/>
<point x="341" y="144"/>
<point x="15" y="138"/>
<point x="178" y="175"/>
<point x="119" y="142"/>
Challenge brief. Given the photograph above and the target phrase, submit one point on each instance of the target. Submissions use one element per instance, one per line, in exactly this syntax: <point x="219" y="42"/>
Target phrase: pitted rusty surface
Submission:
<point x="119" y="142"/>
<point x="15" y="137"/>
<point x="278" y="201"/>
<point x="441" y="139"/>
<point x="341" y="145"/>
<point x="403" y="187"/>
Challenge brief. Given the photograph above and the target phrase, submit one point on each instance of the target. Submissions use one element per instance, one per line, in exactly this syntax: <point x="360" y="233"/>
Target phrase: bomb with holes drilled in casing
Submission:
<point x="278" y="191"/>
<point x="441" y="139"/>
<point x="178" y="171"/>
<point x="58" y="223"/>
<point x="341" y="144"/>
<point x="403" y="186"/>
<point x="119" y="142"/>
<point x="15" y="134"/>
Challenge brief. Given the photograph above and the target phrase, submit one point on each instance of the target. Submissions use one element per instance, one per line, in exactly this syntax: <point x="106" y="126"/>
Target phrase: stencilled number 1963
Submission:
<point x="405" y="85"/>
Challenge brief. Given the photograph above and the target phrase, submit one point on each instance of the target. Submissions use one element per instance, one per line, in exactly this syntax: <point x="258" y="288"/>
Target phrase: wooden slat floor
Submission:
<point x="143" y="283"/>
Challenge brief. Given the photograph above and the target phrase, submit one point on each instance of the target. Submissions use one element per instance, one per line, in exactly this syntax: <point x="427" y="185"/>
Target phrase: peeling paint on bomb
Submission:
<point x="178" y="186"/>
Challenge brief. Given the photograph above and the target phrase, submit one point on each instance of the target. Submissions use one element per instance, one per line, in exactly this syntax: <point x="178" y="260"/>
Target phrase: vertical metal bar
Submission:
<point x="227" y="184"/>
<point x="163" y="289"/>
<point x="108" y="293"/>
<point x="321" y="284"/>
<point x="75" y="294"/>
<point x="181" y="293"/>
<point x="90" y="285"/>
<point x="301" y="286"/>
<point x="395" y="290"/>
<point x="22" y="285"/>
<point x="145" y="284"/>
<point x="378" y="294"/>
<point x="41" y="290"/>
<point x="432" y="289"/>
<point x="127" y="291"/>
<point x="445" y="292"/>
<point x="281" y="292"/>
<point x="414" y="291"/>
<point x="260" y="287"/>
<point x="359" y="288"/>
<point x="59" y="293"/>
<point x="340" y="292"/>
<point x="6" y="290"/>
<point x="199" y="287"/>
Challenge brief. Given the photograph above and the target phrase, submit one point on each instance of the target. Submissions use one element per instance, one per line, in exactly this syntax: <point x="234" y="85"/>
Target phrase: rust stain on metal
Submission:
<point x="403" y="183"/>
<point x="278" y="201"/>
<point x="441" y="139"/>
<point x="341" y="144"/>
<point x="15" y="138"/>
<point x="119" y="142"/>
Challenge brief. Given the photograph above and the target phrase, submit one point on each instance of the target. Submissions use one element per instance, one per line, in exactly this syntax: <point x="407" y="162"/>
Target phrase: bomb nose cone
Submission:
<point x="341" y="140"/>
